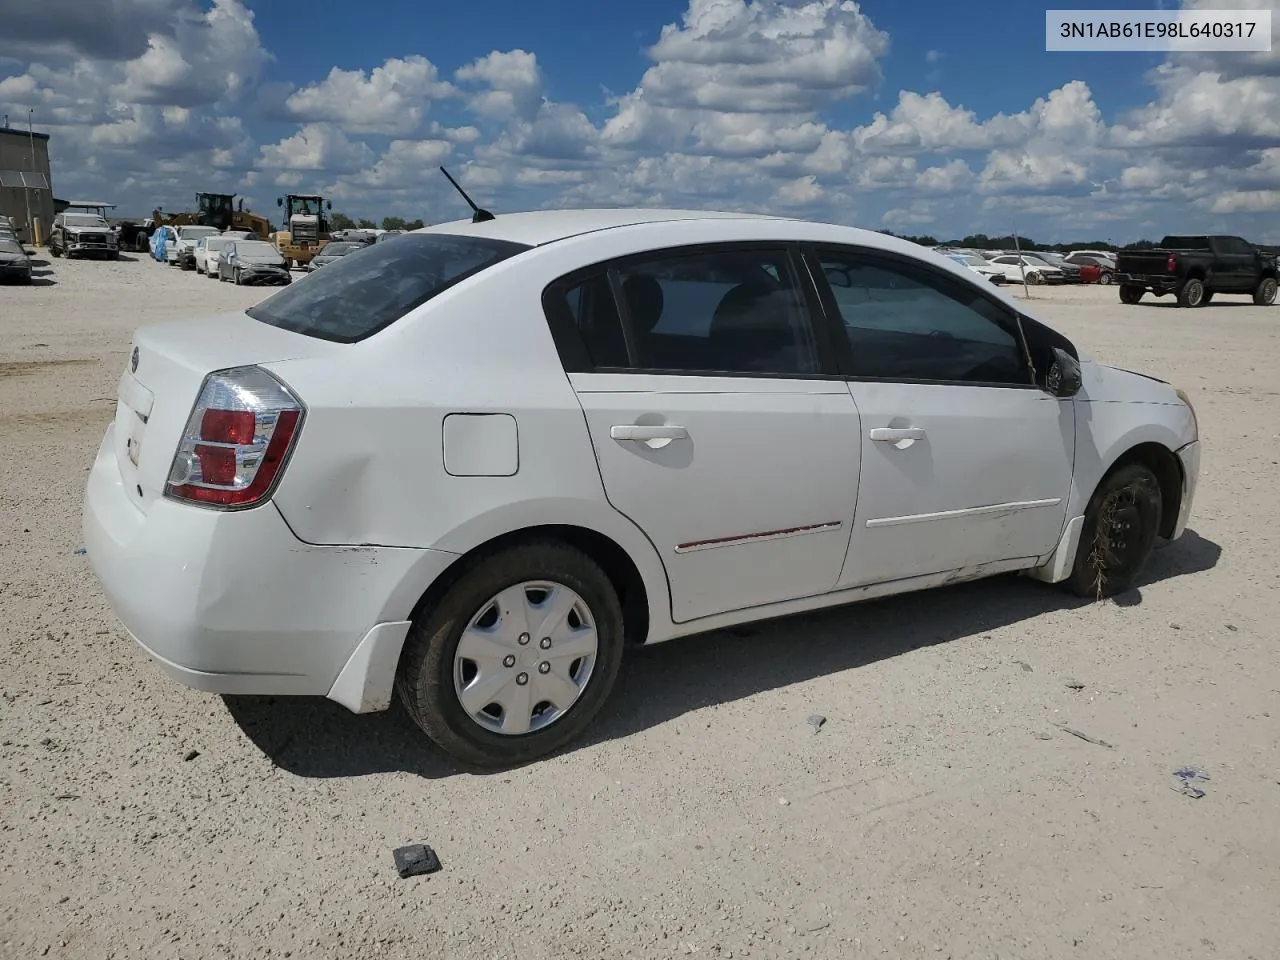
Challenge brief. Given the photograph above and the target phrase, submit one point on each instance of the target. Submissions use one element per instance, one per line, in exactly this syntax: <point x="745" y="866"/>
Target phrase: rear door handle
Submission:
<point x="657" y="435"/>
<point x="894" y="434"/>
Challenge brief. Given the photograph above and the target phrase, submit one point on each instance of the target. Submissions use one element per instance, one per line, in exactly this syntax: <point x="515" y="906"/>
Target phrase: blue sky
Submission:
<point x="915" y="116"/>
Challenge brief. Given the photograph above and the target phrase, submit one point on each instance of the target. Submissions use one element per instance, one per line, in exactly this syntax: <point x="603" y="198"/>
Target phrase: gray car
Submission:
<point x="253" y="262"/>
<point x="15" y="265"/>
<point x="334" y="250"/>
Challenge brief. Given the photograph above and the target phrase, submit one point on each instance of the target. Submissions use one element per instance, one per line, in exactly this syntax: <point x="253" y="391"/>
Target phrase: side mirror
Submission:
<point x="1063" y="378"/>
<point x="279" y="201"/>
<point x="330" y="204"/>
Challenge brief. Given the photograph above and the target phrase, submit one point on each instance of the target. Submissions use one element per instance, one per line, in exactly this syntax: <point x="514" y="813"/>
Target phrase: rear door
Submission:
<point x="964" y="461"/>
<point x="719" y="422"/>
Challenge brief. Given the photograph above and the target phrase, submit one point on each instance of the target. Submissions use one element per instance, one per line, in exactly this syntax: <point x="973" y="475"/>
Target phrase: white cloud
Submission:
<point x="802" y="191"/>
<point x="510" y="84"/>
<point x="316" y="146"/>
<point x="764" y="55"/>
<point x="390" y="99"/>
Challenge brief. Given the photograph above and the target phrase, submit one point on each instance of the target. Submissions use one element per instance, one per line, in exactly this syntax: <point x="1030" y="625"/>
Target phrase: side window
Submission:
<point x="589" y="303"/>
<point x="727" y="311"/>
<point x="907" y="322"/>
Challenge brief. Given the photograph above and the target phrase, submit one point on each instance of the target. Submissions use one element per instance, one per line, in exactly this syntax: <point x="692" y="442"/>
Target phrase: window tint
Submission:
<point x="906" y="322"/>
<point x="725" y="311"/>
<point x="595" y="314"/>
<point x="355" y="297"/>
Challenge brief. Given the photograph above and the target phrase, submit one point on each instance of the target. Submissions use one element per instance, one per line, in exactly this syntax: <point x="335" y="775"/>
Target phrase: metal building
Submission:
<point x="25" y="184"/>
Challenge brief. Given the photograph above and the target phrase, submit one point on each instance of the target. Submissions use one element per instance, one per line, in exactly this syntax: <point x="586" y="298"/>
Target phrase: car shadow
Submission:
<point x="315" y="737"/>
<point x="1172" y="304"/>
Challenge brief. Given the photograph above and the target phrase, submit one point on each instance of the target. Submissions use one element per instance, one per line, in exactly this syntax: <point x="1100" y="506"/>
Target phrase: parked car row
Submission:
<point x="1012" y="266"/>
<point x="15" y="265"/>
<point x="236" y="255"/>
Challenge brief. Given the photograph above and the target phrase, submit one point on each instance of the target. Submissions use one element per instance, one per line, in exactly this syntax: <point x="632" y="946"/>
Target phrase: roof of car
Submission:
<point x="545" y="226"/>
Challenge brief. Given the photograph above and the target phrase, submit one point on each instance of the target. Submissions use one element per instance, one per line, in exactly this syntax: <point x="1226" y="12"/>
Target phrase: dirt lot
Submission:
<point x="940" y="812"/>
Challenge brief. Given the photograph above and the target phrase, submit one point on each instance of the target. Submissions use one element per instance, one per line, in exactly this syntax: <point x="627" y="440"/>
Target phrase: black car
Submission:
<point x="15" y="265"/>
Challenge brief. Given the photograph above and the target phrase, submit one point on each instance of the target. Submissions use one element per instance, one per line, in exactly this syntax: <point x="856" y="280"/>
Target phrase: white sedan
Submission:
<point x="209" y="251"/>
<point x="473" y="465"/>
<point x="1015" y="268"/>
<point x="980" y="266"/>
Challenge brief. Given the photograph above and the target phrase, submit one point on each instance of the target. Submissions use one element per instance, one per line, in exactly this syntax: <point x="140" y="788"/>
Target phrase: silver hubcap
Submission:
<point x="525" y="657"/>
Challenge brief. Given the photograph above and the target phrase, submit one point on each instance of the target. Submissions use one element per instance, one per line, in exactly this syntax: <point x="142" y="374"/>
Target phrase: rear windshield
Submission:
<point x="1185" y="243"/>
<point x="355" y="297"/>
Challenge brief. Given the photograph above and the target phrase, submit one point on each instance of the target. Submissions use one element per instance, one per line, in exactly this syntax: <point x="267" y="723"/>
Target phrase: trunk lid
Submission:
<point x="156" y="394"/>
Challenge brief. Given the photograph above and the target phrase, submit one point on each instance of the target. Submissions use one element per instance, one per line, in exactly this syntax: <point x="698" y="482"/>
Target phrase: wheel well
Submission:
<point x="1164" y="463"/>
<point x="612" y="559"/>
<point x="1195" y="273"/>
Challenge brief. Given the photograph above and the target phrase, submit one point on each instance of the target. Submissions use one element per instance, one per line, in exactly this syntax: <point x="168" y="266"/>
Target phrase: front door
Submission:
<point x="964" y="460"/>
<point x="714" y="426"/>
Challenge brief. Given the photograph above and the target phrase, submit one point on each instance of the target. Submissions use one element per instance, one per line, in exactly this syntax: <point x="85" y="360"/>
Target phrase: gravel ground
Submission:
<point x="941" y="811"/>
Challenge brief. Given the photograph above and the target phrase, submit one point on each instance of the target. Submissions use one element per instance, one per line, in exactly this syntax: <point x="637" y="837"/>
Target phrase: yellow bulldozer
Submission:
<point x="217" y="210"/>
<point x="305" y="230"/>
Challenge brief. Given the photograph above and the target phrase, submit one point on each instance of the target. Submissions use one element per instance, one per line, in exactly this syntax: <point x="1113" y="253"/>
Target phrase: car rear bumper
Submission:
<point x="232" y="602"/>
<point x="1156" y="284"/>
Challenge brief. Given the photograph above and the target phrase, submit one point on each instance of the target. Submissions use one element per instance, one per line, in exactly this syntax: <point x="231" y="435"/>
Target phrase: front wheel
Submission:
<point x="1105" y="279"/>
<point x="517" y="657"/>
<point x="1120" y="527"/>
<point x="1035" y="278"/>
<point x="1265" y="295"/>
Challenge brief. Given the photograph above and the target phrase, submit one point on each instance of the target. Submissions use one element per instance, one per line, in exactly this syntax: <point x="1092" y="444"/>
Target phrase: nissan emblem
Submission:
<point x="133" y="362"/>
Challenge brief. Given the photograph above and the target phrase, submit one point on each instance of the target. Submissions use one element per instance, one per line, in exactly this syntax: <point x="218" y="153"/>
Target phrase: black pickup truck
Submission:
<point x="1194" y="268"/>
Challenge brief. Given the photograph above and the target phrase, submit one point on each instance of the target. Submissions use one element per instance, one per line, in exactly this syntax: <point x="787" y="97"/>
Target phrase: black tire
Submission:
<point x="1191" y="293"/>
<point x="1130" y="293"/>
<point x="1265" y="295"/>
<point x="1206" y="299"/>
<point x="55" y="252"/>
<point x="141" y="243"/>
<point x="1105" y="278"/>
<point x="1120" y="528"/>
<point x="425" y="677"/>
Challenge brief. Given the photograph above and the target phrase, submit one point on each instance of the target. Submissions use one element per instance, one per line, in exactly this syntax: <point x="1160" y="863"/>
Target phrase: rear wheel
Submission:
<point x="516" y="658"/>
<point x="1120" y="526"/>
<point x="1129" y="293"/>
<point x="1265" y="295"/>
<point x="1191" y="293"/>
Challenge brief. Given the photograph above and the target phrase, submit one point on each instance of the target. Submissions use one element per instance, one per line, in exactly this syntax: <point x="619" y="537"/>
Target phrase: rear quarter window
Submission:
<point x="367" y="290"/>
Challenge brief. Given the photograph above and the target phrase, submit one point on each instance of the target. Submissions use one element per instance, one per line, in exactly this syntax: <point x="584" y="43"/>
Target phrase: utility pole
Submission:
<point x="31" y="138"/>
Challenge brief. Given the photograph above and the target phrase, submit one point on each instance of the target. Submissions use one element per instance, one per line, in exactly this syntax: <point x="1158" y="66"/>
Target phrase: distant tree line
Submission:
<point x="980" y="241"/>
<point x="340" y="221"/>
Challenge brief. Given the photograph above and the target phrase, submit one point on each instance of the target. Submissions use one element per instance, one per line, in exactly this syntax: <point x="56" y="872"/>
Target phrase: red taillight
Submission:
<point x="228" y="426"/>
<point x="1171" y="265"/>
<point x="237" y="439"/>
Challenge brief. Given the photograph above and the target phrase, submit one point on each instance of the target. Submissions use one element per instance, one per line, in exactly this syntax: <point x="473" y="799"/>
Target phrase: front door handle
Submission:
<point x="655" y="435"/>
<point x="894" y="434"/>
